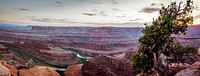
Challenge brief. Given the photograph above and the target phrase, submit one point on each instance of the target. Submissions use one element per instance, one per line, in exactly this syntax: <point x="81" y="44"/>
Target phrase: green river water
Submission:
<point x="59" y="69"/>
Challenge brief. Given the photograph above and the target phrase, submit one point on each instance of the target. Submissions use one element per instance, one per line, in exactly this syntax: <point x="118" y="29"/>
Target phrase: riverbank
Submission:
<point x="35" y="61"/>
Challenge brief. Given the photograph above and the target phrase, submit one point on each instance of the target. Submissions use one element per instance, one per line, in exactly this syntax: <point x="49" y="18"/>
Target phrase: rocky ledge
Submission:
<point x="8" y="70"/>
<point x="38" y="71"/>
<point x="102" y="66"/>
<point x="191" y="70"/>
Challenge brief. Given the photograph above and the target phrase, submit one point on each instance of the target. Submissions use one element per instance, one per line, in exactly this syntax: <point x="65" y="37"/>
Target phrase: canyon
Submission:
<point x="60" y="47"/>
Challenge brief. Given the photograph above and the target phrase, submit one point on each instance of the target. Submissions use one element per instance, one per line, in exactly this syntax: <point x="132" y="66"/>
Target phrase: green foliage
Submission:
<point x="142" y="56"/>
<point x="159" y="37"/>
<point x="181" y="53"/>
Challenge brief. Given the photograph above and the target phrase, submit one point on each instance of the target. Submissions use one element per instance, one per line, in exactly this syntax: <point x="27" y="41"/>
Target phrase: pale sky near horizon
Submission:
<point x="85" y="12"/>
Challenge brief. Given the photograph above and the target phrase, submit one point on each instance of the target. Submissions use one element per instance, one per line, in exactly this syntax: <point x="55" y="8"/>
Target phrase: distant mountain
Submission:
<point x="13" y="27"/>
<point x="130" y="32"/>
<point x="193" y="31"/>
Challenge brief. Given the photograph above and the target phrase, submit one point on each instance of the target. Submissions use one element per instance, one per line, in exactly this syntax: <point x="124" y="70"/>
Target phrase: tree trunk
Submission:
<point x="161" y="69"/>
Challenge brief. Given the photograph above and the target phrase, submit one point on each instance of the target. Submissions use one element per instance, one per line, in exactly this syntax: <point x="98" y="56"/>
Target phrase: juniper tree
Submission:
<point x="159" y="37"/>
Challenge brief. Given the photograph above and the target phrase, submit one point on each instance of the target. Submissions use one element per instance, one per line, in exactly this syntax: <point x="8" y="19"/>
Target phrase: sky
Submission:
<point x="120" y="13"/>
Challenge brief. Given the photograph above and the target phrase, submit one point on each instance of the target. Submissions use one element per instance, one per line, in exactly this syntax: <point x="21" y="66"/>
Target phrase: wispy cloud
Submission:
<point x="24" y="9"/>
<point x="96" y="13"/>
<point x="152" y="8"/>
<point x="94" y="10"/>
<point x="120" y="16"/>
<point x="114" y="2"/>
<point x="117" y="10"/>
<point x="149" y="10"/>
<point x="197" y="8"/>
<point x="82" y="0"/>
<point x="197" y="16"/>
<point x="98" y="2"/>
<point x="138" y="19"/>
<point x="157" y="4"/>
<point x="58" y="4"/>
<point x="122" y="24"/>
<point x="89" y="14"/>
<point x="103" y="14"/>
<point x="49" y="20"/>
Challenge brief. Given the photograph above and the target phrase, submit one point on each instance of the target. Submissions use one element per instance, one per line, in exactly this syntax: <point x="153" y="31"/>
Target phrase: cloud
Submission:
<point x="91" y="1"/>
<point x="102" y="14"/>
<point x="120" y="16"/>
<point x="197" y="16"/>
<point x="152" y="8"/>
<point x="96" y="13"/>
<point x="197" y="8"/>
<point x="114" y="2"/>
<point x="89" y="14"/>
<point x="43" y="20"/>
<point x="94" y="10"/>
<point x="117" y="10"/>
<point x="24" y="9"/>
<point x="50" y="20"/>
<point x="157" y="4"/>
<point x="58" y="2"/>
<point x="138" y="19"/>
<point x="82" y="0"/>
<point x="149" y="10"/>
<point x="117" y="24"/>
<point x="125" y="24"/>
<point x="60" y="5"/>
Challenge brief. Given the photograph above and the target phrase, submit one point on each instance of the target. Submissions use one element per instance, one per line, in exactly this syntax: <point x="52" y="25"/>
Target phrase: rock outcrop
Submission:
<point x="41" y="50"/>
<point x="47" y="29"/>
<point x="7" y="70"/>
<point x="194" y="71"/>
<point x="4" y="51"/>
<point x="187" y="70"/>
<point x="38" y="71"/>
<point x="74" y="70"/>
<point x="107" y="66"/>
<point x="4" y="71"/>
<point x="13" y="70"/>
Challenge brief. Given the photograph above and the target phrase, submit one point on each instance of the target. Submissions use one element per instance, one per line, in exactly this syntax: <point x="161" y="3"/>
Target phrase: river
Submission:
<point x="35" y="61"/>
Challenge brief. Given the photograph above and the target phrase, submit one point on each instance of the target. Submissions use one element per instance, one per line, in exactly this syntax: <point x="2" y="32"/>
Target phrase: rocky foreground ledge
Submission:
<point x="101" y="66"/>
<point x="110" y="66"/>
<point x="98" y="66"/>
<point x="8" y="70"/>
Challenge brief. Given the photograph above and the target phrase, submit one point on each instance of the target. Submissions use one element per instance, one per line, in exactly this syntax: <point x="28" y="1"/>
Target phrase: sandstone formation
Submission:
<point x="193" y="71"/>
<point x="107" y="66"/>
<point x="11" y="57"/>
<point x="4" y="71"/>
<point x="177" y="68"/>
<point x="40" y="41"/>
<point x="13" y="70"/>
<point x="38" y="71"/>
<point x="74" y="70"/>
<point x="42" y="51"/>
<point x="7" y="70"/>
<point x="47" y="29"/>
<point x="4" y="51"/>
<point x="198" y="51"/>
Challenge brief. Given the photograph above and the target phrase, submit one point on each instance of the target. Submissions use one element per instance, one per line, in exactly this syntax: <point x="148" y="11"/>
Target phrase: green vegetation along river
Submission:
<point x="37" y="61"/>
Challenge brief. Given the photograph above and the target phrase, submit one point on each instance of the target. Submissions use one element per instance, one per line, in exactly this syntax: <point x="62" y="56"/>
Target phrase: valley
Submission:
<point x="59" y="47"/>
